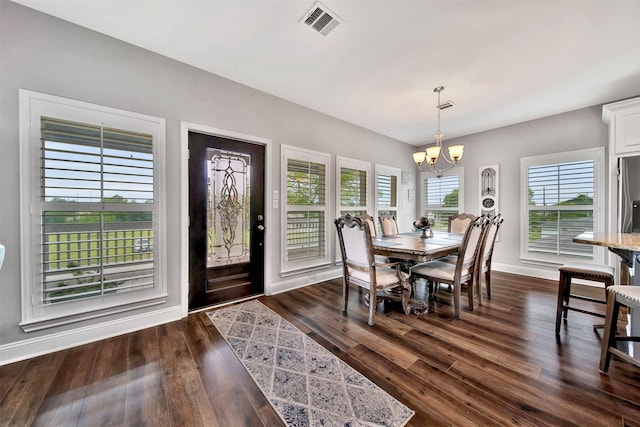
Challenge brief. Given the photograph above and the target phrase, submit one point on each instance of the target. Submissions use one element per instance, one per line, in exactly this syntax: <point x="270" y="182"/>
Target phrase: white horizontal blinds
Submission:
<point x="387" y="201"/>
<point x="95" y="164"/>
<point x="353" y="191"/>
<point x="560" y="206"/>
<point x="306" y="210"/>
<point x="441" y="199"/>
<point x="386" y="197"/>
<point x="97" y="210"/>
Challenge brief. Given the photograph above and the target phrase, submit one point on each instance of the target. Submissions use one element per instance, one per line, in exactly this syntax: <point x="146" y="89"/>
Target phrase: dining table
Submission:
<point x="413" y="247"/>
<point x="417" y="247"/>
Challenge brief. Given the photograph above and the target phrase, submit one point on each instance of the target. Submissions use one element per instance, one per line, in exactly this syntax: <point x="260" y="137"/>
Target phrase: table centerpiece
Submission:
<point x="424" y="224"/>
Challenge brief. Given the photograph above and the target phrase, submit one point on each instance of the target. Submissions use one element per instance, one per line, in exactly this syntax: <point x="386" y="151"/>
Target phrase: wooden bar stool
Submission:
<point x="592" y="272"/>
<point x="617" y="296"/>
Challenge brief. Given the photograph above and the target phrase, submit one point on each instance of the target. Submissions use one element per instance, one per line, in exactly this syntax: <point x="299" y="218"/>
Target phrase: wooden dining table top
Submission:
<point x="410" y="246"/>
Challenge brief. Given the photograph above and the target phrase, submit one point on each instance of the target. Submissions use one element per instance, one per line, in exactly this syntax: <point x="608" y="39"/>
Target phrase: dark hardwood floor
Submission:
<point x="498" y="365"/>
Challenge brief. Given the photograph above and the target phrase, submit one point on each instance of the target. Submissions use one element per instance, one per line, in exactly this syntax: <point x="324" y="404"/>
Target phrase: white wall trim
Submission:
<point x="269" y="223"/>
<point x="540" y="273"/>
<point x="306" y="280"/>
<point x="25" y="349"/>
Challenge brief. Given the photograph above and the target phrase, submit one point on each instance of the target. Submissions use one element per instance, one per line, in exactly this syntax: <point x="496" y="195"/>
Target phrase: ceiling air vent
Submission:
<point x="321" y="19"/>
<point x="445" y="105"/>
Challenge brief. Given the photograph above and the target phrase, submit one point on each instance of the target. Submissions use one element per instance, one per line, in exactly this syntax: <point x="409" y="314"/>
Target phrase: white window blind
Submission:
<point x="441" y="197"/>
<point x="97" y="201"/>
<point x="386" y="192"/>
<point x="560" y="201"/>
<point x="560" y="207"/>
<point x="353" y="186"/>
<point x="306" y="209"/>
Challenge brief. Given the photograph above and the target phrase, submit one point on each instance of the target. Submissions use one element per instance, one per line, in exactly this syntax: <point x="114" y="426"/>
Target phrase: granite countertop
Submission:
<point x="626" y="241"/>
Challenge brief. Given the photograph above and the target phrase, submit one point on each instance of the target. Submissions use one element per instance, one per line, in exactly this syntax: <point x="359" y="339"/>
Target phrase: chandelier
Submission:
<point x="426" y="160"/>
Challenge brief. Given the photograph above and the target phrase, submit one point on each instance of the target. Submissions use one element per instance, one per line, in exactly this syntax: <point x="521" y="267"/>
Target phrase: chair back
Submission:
<point x="468" y="252"/>
<point x="354" y="235"/>
<point x="372" y="225"/>
<point x="490" y="239"/>
<point x="458" y="223"/>
<point x="388" y="224"/>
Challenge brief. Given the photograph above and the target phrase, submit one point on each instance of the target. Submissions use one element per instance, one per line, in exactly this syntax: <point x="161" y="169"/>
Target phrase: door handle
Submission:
<point x="261" y="227"/>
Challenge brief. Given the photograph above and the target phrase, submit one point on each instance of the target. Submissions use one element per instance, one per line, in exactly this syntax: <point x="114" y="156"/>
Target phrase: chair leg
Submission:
<point x="610" y="328"/>
<point x="470" y="286"/>
<point x="456" y="300"/>
<point x="567" y="295"/>
<point x="345" y="293"/>
<point x="478" y="280"/>
<point x="559" y="308"/>
<point x="487" y="282"/>
<point x="373" y="303"/>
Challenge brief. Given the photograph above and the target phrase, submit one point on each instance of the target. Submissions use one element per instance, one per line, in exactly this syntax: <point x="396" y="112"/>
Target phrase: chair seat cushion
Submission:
<point x="385" y="277"/>
<point x="628" y="295"/>
<point x="594" y="270"/>
<point x="437" y="270"/>
<point x="451" y="259"/>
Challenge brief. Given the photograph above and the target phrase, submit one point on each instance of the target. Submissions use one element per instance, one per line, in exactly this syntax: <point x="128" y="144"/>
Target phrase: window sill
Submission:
<point x="40" y="324"/>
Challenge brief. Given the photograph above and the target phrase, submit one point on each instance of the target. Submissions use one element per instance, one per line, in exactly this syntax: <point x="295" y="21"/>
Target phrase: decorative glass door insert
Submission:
<point x="228" y="207"/>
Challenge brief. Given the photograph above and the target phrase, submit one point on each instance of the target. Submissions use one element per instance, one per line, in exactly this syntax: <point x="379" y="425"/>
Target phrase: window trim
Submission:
<point x="393" y="171"/>
<point x="291" y="152"/>
<point x="459" y="171"/>
<point x="597" y="154"/>
<point x="35" y="315"/>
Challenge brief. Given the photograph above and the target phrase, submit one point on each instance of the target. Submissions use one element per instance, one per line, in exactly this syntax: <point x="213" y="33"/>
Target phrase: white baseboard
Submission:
<point x="539" y="272"/>
<point x="307" y="279"/>
<point x="28" y="348"/>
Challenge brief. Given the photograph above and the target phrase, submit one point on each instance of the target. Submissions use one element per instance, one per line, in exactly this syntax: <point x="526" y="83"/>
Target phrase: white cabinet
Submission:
<point x="623" y="119"/>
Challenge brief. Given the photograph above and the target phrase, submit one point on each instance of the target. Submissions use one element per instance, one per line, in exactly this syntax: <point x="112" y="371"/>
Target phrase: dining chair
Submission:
<point x="458" y="223"/>
<point x="388" y="224"/>
<point x="463" y="271"/>
<point x="485" y="255"/>
<point x="359" y="266"/>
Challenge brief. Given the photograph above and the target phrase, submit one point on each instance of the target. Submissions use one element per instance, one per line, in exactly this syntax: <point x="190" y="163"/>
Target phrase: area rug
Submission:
<point x="305" y="383"/>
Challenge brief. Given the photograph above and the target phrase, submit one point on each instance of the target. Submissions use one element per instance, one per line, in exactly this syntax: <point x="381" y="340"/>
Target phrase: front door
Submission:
<point x="226" y="213"/>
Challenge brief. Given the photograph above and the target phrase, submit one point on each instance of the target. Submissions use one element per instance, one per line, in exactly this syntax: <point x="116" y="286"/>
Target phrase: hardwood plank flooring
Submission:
<point x="500" y="364"/>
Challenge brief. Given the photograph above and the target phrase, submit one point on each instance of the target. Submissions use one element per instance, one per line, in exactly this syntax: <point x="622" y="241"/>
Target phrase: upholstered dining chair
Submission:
<point x="463" y="271"/>
<point x="360" y="267"/>
<point x="458" y="223"/>
<point x="388" y="224"/>
<point x="485" y="255"/>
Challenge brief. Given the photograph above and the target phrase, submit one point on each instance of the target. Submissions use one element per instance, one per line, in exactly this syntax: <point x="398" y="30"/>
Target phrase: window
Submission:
<point x="90" y="175"/>
<point x="442" y="197"/>
<point x="386" y="192"/>
<point x="353" y="188"/>
<point x="305" y="219"/>
<point x="561" y="199"/>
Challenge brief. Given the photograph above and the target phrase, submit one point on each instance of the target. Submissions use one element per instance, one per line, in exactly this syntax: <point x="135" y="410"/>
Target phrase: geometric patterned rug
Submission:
<point x="305" y="383"/>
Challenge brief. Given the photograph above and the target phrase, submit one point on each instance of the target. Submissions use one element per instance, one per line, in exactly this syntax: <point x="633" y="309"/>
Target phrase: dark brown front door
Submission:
<point x="226" y="213"/>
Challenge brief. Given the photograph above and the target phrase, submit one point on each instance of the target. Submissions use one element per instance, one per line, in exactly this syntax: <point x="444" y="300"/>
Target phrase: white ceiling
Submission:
<point x="501" y="62"/>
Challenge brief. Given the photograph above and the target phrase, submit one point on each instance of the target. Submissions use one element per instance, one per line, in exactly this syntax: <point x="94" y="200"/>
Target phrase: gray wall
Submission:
<point x="505" y="146"/>
<point x="42" y="53"/>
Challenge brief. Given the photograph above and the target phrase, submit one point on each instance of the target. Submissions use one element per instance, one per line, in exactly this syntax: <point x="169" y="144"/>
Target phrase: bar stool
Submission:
<point x="592" y="272"/>
<point x="617" y="296"/>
